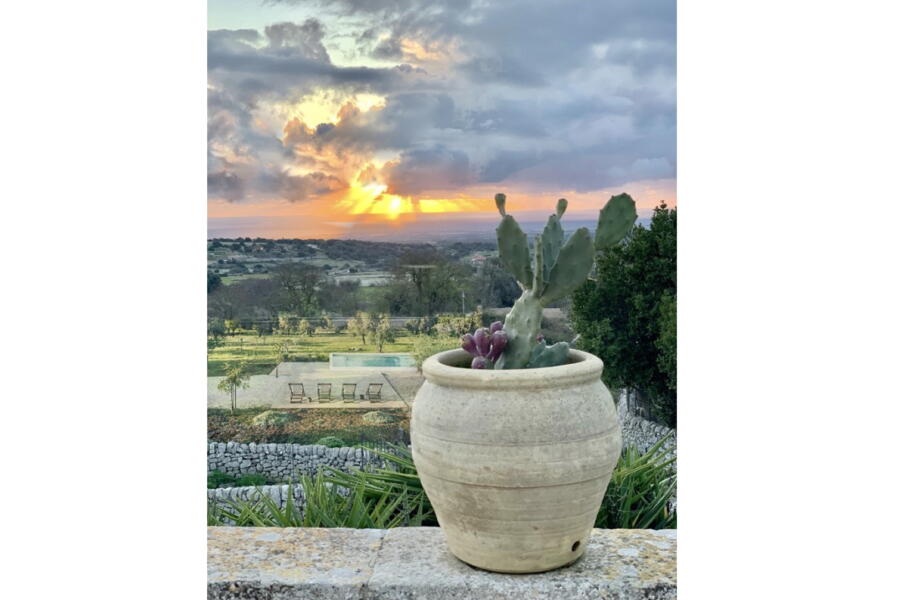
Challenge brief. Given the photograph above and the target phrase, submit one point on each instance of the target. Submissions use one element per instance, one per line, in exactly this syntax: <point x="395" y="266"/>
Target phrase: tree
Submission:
<point x="425" y="282"/>
<point x="327" y="323"/>
<point x="667" y="341"/>
<point x="457" y="325"/>
<point x="245" y="298"/>
<point x="494" y="286"/>
<point x="353" y="327"/>
<point x="231" y="325"/>
<point x="305" y="328"/>
<point x="360" y="325"/>
<point x="342" y="297"/>
<point x="426" y="345"/>
<point x="287" y="323"/>
<point x="298" y="283"/>
<point x="263" y="327"/>
<point x="213" y="281"/>
<point x="626" y="316"/>
<point x="236" y="376"/>
<point x="215" y="328"/>
<point x="414" y="326"/>
<point x="282" y="354"/>
<point x="383" y="333"/>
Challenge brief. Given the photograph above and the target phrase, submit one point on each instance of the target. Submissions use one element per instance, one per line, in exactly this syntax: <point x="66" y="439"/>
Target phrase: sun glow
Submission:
<point x="324" y="107"/>
<point x="373" y="199"/>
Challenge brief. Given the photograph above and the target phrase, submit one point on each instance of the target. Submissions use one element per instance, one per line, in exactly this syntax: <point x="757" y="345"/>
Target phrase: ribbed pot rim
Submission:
<point x="438" y="369"/>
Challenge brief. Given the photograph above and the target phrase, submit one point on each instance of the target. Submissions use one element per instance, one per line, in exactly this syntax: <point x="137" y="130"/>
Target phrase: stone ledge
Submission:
<point x="414" y="562"/>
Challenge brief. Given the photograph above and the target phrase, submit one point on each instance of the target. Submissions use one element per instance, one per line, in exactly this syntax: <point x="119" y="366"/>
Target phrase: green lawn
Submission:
<point x="229" y="279"/>
<point x="260" y="352"/>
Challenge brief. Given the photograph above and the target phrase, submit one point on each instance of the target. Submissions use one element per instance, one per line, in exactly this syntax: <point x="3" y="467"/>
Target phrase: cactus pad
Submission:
<point x="616" y="219"/>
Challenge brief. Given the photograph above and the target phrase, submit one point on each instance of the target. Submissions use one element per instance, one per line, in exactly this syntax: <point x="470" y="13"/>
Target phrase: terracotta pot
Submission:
<point x="515" y="462"/>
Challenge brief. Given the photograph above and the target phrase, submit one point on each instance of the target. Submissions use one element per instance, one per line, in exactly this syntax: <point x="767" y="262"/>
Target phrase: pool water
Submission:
<point x="341" y="360"/>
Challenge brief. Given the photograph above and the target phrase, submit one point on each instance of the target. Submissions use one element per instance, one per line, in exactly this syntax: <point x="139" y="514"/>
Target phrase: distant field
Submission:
<point x="321" y="260"/>
<point x="260" y="352"/>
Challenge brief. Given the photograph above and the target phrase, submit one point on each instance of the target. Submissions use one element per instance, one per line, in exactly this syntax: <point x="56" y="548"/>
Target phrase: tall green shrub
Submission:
<point x="626" y="313"/>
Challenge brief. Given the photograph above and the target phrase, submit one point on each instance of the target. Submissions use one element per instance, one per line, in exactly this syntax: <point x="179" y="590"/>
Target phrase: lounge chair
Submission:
<point x="348" y="392"/>
<point x="297" y="393"/>
<point x="373" y="393"/>
<point x="323" y="391"/>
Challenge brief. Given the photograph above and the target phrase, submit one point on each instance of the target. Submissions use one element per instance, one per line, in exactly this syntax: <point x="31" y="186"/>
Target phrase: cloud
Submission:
<point x="433" y="168"/>
<point x="288" y="59"/>
<point x="225" y="184"/>
<point x="578" y="97"/>
<point x="304" y="40"/>
<point x="299" y="188"/>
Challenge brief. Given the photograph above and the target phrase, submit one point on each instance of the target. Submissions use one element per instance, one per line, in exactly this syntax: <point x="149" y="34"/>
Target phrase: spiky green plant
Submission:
<point x="398" y="478"/>
<point x="640" y="491"/>
<point x="554" y="272"/>
<point x="639" y="496"/>
<point x="326" y="505"/>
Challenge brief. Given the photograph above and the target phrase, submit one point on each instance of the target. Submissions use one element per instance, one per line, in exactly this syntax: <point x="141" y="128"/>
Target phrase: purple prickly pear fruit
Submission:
<point x="479" y="362"/>
<point x="498" y="343"/>
<point x="468" y="343"/>
<point x="496" y="326"/>
<point x="540" y="338"/>
<point x="482" y="341"/>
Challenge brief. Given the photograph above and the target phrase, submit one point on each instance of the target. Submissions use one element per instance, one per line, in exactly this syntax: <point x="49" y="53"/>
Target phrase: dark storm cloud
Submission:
<point x="225" y="184"/>
<point x="570" y="94"/>
<point x="405" y="122"/>
<point x="434" y="168"/>
<point x="298" y="188"/>
<point x="505" y="164"/>
<point x="304" y="39"/>
<point x="388" y="48"/>
<point x="501" y="69"/>
<point x="235" y="184"/>
<point x="289" y="57"/>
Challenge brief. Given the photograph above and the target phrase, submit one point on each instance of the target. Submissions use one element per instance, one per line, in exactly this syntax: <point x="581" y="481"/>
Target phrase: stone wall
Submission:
<point x="283" y="462"/>
<point x="641" y="433"/>
<point x="408" y="563"/>
<point x="224" y="497"/>
<point x="278" y="493"/>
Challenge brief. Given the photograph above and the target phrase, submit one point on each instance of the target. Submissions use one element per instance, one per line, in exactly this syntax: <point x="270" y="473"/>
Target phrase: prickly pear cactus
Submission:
<point x="615" y="221"/>
<point x="557" y="268"/>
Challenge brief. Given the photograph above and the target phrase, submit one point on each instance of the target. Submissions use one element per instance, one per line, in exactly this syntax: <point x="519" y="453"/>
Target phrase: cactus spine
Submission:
<point x="555" y="271"/>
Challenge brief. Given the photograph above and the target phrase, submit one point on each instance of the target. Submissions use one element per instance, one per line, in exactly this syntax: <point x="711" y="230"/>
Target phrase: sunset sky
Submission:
<point x="333" y="118"/>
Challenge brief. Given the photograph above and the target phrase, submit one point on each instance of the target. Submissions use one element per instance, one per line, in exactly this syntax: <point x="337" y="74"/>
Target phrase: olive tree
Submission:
<point x="383" y="333"/>
<point x="236" y="376"/>
<point x="361" y="325"/>
<point x="305" y="328"/>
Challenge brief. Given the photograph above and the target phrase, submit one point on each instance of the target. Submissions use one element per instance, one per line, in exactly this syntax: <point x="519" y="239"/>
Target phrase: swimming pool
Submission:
<point x="364" y="360"/>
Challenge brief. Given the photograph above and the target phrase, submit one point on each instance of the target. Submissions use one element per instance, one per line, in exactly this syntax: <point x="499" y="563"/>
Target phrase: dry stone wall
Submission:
<point x="283" y="462"/>
<point x="223" y="497"/>
<point x="641" y="433"/>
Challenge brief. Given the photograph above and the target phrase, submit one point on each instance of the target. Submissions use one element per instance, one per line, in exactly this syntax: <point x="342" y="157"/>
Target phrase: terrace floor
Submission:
<point x="398" y="389"/>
